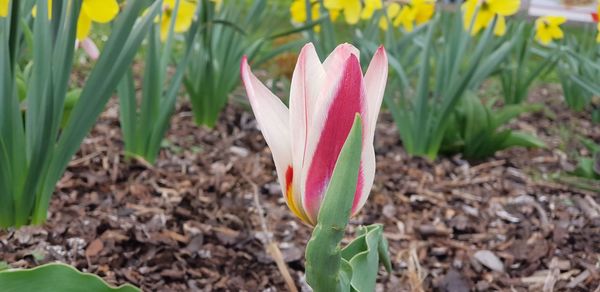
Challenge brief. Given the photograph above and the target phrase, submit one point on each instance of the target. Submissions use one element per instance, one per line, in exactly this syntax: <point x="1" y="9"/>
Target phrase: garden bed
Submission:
<point x="190" y="223"/>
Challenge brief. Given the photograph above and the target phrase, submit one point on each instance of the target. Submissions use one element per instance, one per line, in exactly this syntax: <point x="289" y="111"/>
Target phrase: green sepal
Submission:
<point x="56" y="278"/>
<point x="325" y="269"/>
<point x="364" y="254"/>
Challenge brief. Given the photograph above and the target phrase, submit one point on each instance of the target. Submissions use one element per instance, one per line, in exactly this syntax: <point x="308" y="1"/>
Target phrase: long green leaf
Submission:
<point x="56" y="278"/>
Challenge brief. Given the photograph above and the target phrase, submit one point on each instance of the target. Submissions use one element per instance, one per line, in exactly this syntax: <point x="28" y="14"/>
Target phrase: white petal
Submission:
<point x="273" y="118"/>
<point x="375" y="81"/>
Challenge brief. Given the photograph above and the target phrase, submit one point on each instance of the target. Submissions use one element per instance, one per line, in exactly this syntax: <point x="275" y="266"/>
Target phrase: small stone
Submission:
<point x="490" y="260"/>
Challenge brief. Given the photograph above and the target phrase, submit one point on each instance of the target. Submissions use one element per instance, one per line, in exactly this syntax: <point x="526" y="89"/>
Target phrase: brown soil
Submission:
<point x="190" y="223"/>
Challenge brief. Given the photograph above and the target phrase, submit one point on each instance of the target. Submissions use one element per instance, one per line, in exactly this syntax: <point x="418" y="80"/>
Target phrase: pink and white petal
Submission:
<point x="334" y="63"/>
<point x="273" y="118"/>
<point x="341" y="98"/>
<point x="307" y="82"/>
<point x="375" y="80"/>
<point x="366" y="177"/>
<point x="90" y="48"/>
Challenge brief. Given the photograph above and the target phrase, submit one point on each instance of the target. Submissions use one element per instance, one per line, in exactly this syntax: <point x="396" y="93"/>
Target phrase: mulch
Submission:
<point x="191" y="222"/>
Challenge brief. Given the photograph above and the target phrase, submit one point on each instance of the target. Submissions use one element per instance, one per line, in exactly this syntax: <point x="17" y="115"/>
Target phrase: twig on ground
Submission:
<point x="415" y="273"/>
<point x="271" y="246"/>
<point x="552" y="276"/>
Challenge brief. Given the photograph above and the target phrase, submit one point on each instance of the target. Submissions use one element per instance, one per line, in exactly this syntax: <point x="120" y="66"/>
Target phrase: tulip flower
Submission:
<point x="484" y="12"/>
<point x="307" y="138"/>
<point x="547" y="29"/>
<point x="4" y="8"/>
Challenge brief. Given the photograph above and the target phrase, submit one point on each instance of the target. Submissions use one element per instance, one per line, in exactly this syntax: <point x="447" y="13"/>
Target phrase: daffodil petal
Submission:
<point x="101" y="11"/>
<point x="500" y="28"/>
<point x="84" y="25"/>
<point x="504" y="7"/>
<point x="298" y="11"/>
<point x="352" y="11"/>
<point x="4" y="8"/>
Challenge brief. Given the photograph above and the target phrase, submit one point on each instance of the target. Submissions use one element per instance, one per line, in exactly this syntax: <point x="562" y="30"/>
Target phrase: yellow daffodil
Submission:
<point x="478" y="14"/>
<point x="350" y="8"/>
<point x="183" y="19"/>
<point x="4" y="8"/>
<point x="101" y="11"/>
<point x="425" y="10"/>
<point x="298" y="12"/>
<point x="415" y="12"/>
<point x="547" y="29"/>
<point x="391" y="13"/>
<point x="370" y="7"/>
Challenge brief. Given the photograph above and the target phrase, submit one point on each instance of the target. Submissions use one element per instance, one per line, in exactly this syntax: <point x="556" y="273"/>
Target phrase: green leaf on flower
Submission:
<point x="325" y="269"/>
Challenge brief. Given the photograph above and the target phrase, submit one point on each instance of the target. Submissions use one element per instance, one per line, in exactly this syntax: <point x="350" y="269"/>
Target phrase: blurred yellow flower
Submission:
<point x="4" y="8"/>
<point x="370" y="7"/>
<point x="298" y="10"/>
<point x="547" y="29"/>
<point x="350" y="8"/>
<point x="478" y="14"/>
<point x="391" y="13"/>
<point x="415" y="12"/>
<point x="183" y="19"/>
<point x="101" y="11"/>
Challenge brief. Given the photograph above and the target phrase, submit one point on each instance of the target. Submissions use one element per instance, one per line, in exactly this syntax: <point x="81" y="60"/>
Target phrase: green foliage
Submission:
<point x="145" y="125"/>
<point x="328" y="267"/>
<point x="586" y="175"/>
<point x="431" y="72"/>
<point x="56" y="278"/>
<point x="475" y="129"/>
<point x="35" y="149"/>
<point x="223" y="38"/>
<point x="579" y="71"/>
<point x="364" y="254"/>
<point x="525" y="63"/>
<point x="589" y="167"/>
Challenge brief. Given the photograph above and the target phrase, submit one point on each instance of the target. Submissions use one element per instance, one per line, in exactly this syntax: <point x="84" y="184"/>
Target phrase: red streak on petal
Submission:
<point x="289" y="176"/>
<point x="359" y="186"/>
<point x="340" y="117"/>
<point x="595" y="17"/>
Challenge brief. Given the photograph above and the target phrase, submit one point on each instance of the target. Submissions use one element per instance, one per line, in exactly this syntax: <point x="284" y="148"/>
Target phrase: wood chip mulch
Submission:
<point x="190" y="223"/>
